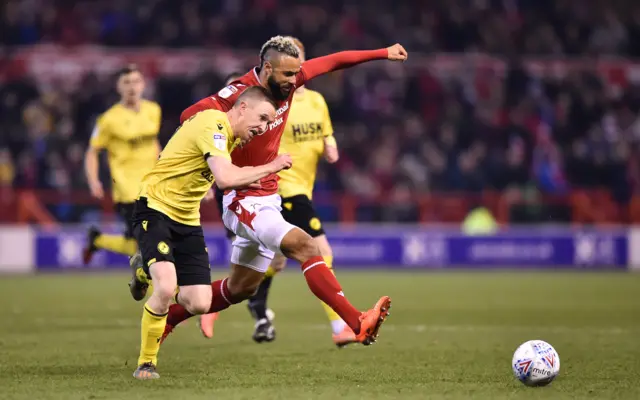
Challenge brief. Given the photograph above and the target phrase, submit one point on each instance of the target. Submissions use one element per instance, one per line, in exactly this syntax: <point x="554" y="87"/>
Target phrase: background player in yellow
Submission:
<point x="128" y="132"/>
<point x="166" y="218"/>
<point x="308" y="136"/>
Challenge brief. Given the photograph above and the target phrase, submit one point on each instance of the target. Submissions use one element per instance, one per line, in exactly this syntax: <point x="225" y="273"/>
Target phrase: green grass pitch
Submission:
<point x="449" y="336"/>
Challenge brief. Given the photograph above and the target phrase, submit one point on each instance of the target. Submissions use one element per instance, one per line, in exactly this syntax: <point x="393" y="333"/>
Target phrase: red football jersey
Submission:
<point x="263" y="149"/>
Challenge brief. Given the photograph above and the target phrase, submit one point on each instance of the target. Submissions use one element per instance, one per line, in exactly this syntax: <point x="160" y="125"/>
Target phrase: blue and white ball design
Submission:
<point x="536" y="363"/>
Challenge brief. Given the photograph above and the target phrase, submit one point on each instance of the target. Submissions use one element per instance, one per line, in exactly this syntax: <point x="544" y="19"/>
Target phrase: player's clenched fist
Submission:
<point x="397" y="53"/>
<point x="283" y="161"/>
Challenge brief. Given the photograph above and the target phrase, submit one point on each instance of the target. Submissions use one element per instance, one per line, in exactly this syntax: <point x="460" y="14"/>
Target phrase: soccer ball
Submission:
<point x="536" y="363"/>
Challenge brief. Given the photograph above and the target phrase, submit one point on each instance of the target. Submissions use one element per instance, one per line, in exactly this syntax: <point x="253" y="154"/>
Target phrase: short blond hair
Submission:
<point x="298" y="43"/>
<point x="281" y="44"/>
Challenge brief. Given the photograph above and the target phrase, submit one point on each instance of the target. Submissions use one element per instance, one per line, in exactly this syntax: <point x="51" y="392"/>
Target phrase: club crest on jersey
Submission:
<point x="220" y="141"/>
<point x="227" y="91"/>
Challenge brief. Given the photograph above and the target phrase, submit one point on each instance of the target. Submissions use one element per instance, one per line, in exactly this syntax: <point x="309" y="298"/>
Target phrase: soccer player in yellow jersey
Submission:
<point x="128" y="132"/>
<point x="166" y="220"/>
<point x="308" y="137"/>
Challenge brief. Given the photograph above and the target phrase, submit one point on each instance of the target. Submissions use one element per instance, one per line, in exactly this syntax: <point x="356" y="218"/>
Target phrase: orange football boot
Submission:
<point x="206" y="324"/>
<point x="345" y="337"/>
<point x="370" y="321"/>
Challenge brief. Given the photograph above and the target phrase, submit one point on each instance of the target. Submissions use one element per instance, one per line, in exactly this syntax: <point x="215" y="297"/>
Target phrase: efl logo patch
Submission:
<point x="220" y="141"/>
<point x="227" y="91"/>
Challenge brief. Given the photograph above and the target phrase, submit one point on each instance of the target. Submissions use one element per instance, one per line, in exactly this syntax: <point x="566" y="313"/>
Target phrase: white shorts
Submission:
<point x="259" y="228"/>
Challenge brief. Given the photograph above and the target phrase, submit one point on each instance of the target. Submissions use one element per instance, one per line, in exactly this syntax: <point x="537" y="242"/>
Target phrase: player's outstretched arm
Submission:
<point x="228" y="176"/>
<point x="345" y="59"/>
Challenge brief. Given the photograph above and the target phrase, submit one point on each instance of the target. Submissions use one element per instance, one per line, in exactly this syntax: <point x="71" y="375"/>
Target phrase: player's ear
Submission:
<point x="268" y="67"/>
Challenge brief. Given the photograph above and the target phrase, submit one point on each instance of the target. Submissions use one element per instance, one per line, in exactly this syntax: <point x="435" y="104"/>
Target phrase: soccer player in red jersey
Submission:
<point x="253" y="214"/>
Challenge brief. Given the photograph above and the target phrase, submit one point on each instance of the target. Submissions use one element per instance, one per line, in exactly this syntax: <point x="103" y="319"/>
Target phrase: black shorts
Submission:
<point x="162" y="239"/>
<point x="298" y="210"/>
<point x="219" y="196"/>
<point x="125" y="210"/>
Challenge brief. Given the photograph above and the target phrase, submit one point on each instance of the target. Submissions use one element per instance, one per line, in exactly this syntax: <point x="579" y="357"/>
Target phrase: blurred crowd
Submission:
<point x="495" y="26"/>
<point x="401" y="131"/>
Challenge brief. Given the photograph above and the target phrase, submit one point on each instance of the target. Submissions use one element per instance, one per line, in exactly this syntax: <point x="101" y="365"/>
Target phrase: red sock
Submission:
<point x="325" y="286"/>
<point x="177" y="314"/>
<point x="219" y="302"/>
<point x="221" y="297"/>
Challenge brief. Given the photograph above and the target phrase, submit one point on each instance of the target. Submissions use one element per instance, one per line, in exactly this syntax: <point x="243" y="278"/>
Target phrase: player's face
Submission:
<point x="255" y="119"/>
<point x="131" y="86"/>
<point x="282" y="76"/>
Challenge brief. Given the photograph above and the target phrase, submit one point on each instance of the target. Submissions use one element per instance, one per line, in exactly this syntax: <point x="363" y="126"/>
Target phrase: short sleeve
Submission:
<point x="100" y="134"/>
<point x="212" y="137"/>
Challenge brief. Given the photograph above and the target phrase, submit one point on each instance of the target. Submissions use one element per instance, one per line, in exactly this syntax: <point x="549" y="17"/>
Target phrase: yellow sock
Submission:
<point x="117" y="244"/>
<point x="152" y="327"/>
<point x="330" y="313"/>
<point x="270" y="272"/>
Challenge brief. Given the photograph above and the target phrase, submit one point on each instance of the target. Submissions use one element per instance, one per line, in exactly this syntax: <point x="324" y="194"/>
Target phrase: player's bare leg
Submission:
<point x="154" y="317"/>
<point x="239" y="286"/>
<point x="243" y="284"/>
<point x="195" y="298"/>
<point x="299" y="246"/>
<point x="207" y="321"/>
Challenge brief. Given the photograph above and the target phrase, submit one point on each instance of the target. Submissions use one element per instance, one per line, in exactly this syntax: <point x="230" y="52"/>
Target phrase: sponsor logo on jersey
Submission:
<point x="282" y="109"/>
<point x="307" y="132"/>
<point x="275" y="124"/>
<point x="206" y="174"/>
<point x="140" y="141"/>
<point x="280" y="119"/>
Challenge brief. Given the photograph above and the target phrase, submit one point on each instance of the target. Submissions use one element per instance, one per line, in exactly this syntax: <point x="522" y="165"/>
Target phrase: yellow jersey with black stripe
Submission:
<point x="131" y="140"/>
<point x="181" y="177"/>
<point x="303" y="138"/>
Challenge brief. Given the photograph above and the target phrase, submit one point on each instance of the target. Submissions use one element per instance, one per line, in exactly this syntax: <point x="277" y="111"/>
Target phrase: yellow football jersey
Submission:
<point x="181" y="178"/>
<point x="131" y="141"/>
<point x="303" y="139"/>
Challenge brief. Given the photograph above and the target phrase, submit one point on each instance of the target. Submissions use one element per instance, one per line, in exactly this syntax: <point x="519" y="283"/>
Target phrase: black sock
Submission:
<point x="258" y="303"/>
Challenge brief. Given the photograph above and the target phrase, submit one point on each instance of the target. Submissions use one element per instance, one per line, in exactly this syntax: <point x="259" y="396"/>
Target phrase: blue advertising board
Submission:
<point x="402" y="247"/>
